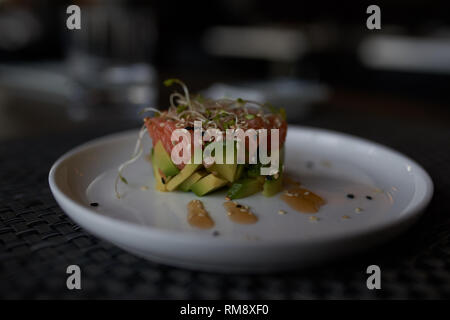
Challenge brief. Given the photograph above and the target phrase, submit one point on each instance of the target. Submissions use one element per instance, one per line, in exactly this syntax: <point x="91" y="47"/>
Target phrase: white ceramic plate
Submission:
<point x="153" y="224"/>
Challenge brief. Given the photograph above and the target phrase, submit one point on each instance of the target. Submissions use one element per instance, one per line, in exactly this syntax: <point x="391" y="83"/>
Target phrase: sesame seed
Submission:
<point x="350" y="196"/>
<point x="313" y="219"/>
<point x="144" y="188"/>
<point x="94" y="204"/>
<point x="216" y="233"/>
<point x="243" y="210"/>
<point x="306" y="193"/>
<point x="368" y="197"/>
<point x="345" y="217"/>
<point x="281" y="212"/>
<point x="358" y="210"/>
<point x="228" y="213"/>
<point x="227" y="198"/>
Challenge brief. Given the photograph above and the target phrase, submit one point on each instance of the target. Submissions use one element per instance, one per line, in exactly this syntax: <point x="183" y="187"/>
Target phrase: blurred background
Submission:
<point x="314" y="58"/>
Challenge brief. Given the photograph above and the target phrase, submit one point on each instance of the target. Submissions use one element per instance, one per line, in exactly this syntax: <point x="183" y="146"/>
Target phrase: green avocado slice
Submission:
<point x="225" y="170"/>
<point x="159" y="180"/>
<point x="187" y="184"/>
<point x="272" y="186"/>
<point x="207" y="184"/>
<point x="163" y="161"/>
<point x="184" y="174"/>
<point x="239" y="171"/>
<point x="245" y="187"/>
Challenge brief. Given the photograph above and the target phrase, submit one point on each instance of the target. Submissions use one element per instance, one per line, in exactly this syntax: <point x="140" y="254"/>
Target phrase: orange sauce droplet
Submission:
<point x="303" y="200"/>
<point x="239" y="213"/>
<point x="197" y="215"/>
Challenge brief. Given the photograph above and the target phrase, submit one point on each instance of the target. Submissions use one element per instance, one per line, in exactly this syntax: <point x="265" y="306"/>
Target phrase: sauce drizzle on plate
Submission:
<point x="239" y="213"/>
<point x="197" y="215"/>
<point x="303" y="200"/>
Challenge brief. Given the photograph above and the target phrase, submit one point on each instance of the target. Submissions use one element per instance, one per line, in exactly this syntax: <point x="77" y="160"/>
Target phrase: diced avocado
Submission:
<point x="184" y="174"/>
<point x="239" y="171"/>
<point x="163" y="161"/>
<point x="272" y="186"/>
<point x="245" y="187"/>
<point x="187" y="184"/>
<point x="207" y="184"/>
<point x="281" y="158"/>
<point x="253" y="170"/>
<point x="159" y="185"/>
<point x="227" y="171"/>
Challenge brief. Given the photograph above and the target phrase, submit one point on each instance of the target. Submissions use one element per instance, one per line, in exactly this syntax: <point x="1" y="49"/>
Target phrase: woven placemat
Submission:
<point x="38" y="241"/>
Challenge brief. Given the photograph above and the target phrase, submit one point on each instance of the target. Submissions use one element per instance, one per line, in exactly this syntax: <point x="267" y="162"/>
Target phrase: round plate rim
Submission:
<point x="140" y="231"/>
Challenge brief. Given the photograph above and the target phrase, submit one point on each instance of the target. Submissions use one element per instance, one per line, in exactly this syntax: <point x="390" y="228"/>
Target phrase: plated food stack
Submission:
<point x="242" y="179"/>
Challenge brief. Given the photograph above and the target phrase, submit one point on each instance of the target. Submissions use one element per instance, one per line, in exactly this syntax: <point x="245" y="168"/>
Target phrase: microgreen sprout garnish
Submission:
<point x="181" y="108"/>
<point x="280" y="111"/>
<point x="199" y="98"/>
<point x="170" y="82"/>
<point x="216" y="113"/>
<point x="148" y="109"/>
<point x="135" y="156"/>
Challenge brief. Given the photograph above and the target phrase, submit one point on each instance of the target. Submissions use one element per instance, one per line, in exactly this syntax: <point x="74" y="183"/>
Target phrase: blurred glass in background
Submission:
<point x="109" y="60"/>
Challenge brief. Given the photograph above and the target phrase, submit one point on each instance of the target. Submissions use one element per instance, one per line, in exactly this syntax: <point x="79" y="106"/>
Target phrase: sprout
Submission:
<point x="156" y="111"/>
<point x="135" y="156"/>
<point x="170" y="82"/>
<point x="215" y="113"/>
<point x="181" y="108"/>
